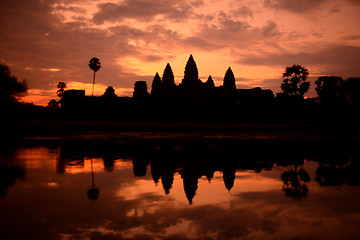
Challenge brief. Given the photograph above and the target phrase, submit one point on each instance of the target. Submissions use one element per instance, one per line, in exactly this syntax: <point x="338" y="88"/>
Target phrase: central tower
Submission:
<point x="191" y="74"/>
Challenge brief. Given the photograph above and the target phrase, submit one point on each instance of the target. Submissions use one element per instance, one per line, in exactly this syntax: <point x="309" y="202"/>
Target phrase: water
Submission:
<point x="179" y="188"/>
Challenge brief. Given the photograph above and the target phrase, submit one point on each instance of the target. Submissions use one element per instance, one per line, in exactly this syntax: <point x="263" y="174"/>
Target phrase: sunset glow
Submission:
<point x="46" y="42"/>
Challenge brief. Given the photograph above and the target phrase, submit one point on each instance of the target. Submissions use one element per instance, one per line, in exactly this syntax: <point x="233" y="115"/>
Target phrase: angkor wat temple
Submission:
<point x="191" y="99"/>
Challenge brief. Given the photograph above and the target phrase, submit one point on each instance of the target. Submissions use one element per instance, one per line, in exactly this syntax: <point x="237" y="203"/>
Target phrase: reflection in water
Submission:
<point x="93" y="192"/>
<point x="295" y="182"/>
<point x="209" y="189"/>
<point x="10" y="170"/>
<point x="193" y="162"/>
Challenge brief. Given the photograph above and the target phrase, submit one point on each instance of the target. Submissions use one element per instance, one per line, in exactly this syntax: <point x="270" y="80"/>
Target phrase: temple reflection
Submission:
<point x="192" y="160"/>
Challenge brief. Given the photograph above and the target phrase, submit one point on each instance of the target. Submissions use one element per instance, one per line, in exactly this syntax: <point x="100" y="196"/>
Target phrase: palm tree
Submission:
<point x="61" y="89"/>
<point x="295" y="80"/>
<point x="94" y="65"/>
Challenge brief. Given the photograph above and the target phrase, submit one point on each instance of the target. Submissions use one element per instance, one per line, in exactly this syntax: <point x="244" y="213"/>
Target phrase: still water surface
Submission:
<point x="179" y="188"/>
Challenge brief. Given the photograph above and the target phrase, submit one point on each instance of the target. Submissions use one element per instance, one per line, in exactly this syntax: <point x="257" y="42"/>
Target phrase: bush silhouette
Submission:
<point x="10" y="88"/>
<point x="330" y="89"/>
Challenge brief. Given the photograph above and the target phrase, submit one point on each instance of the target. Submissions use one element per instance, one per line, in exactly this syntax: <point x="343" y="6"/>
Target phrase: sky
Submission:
<point x="51" y="41"/>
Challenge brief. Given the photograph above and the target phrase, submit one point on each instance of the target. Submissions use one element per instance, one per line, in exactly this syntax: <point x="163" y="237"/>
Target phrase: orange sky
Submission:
<point x="49" y="41"/>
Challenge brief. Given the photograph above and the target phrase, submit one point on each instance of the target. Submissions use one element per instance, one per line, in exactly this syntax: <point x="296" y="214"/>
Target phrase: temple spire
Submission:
<point x="191" y="74"/>
<point x="229" y="80"/>
<point x="156" y="85"/>
<point x="168" y="77"/>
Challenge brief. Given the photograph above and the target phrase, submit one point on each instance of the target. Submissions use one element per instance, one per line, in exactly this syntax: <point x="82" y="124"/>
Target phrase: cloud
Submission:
<point x="228" y="24"/>
<point x="153" y="58"/>
<point x="270" y="29"/>
<point x="336" y="59"/>
<point x="145" y="10"/>
<point x="200" y="43"/>
<point x="354" y="2"/>
<point x="225" y="31"/>
<point x="243" y="11"/>
<point x="31" y="43"/>
<point x="295" y="6"/>
<point x="350" y="37"/>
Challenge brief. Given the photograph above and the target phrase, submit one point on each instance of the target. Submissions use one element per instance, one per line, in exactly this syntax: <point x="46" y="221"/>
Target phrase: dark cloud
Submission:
<point x="200" y="43"/>
<point x="350" y="37"/>
<point x="296" y="6"/>
<point x="145" y="10"/>
<point x="354" y="2"/>
<point x="153" y="58"/>
<point x="225" y="31"/>
<point x="243" y="11"/>
<point x="70" y="9"/>
<point x="270" y="29"/>
<point x="231" y="25"/>
<point x="337" y="59"/>
<point x="196" y="3"/>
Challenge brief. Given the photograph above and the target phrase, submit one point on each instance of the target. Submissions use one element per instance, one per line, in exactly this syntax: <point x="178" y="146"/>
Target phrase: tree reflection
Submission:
<point x="336" y="172"/>
<point x="8" y="175"/>
<point x="295" y="182"/>
<point x="93" y="192"/>
<point x="329" y="175"/>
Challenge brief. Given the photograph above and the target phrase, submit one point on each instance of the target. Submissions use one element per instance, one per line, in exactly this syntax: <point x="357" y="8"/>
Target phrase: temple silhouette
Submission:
<point x="191" y="99"/>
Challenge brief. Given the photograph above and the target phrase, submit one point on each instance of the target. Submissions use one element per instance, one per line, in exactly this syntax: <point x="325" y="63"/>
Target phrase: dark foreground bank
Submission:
<point x="115" y="129"/>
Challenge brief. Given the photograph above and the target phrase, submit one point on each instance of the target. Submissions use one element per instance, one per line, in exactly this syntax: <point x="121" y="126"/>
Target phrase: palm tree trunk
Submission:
<point x="92" y="94"/>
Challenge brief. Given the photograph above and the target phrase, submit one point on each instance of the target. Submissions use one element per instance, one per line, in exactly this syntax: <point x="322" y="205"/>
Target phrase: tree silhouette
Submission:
<point x="168" y="77"/>
<point x="10" y="88"/>
<point x="295" y="80"/>
<point x="53" y="104"/>
<point x="295" y="182"/>
<point x="330" y="89"/>
<point x="94" y="65"/>
<point x="229" y="80"/>
<point x="61" y="89"/>
<point x="352" y="90"/>
<point x="191" y="74"/>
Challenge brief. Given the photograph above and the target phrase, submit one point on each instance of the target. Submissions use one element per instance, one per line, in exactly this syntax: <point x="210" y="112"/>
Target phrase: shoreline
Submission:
<point x="113" y="129"/>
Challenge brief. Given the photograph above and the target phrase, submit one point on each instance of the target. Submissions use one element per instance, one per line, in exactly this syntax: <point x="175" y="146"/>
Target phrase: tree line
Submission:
<point x="330" y="89"/>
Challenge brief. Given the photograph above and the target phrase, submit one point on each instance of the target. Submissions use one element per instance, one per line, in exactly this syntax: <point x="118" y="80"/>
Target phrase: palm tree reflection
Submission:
<point x="93" y="192"/>
<point x="295" y="182"/>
